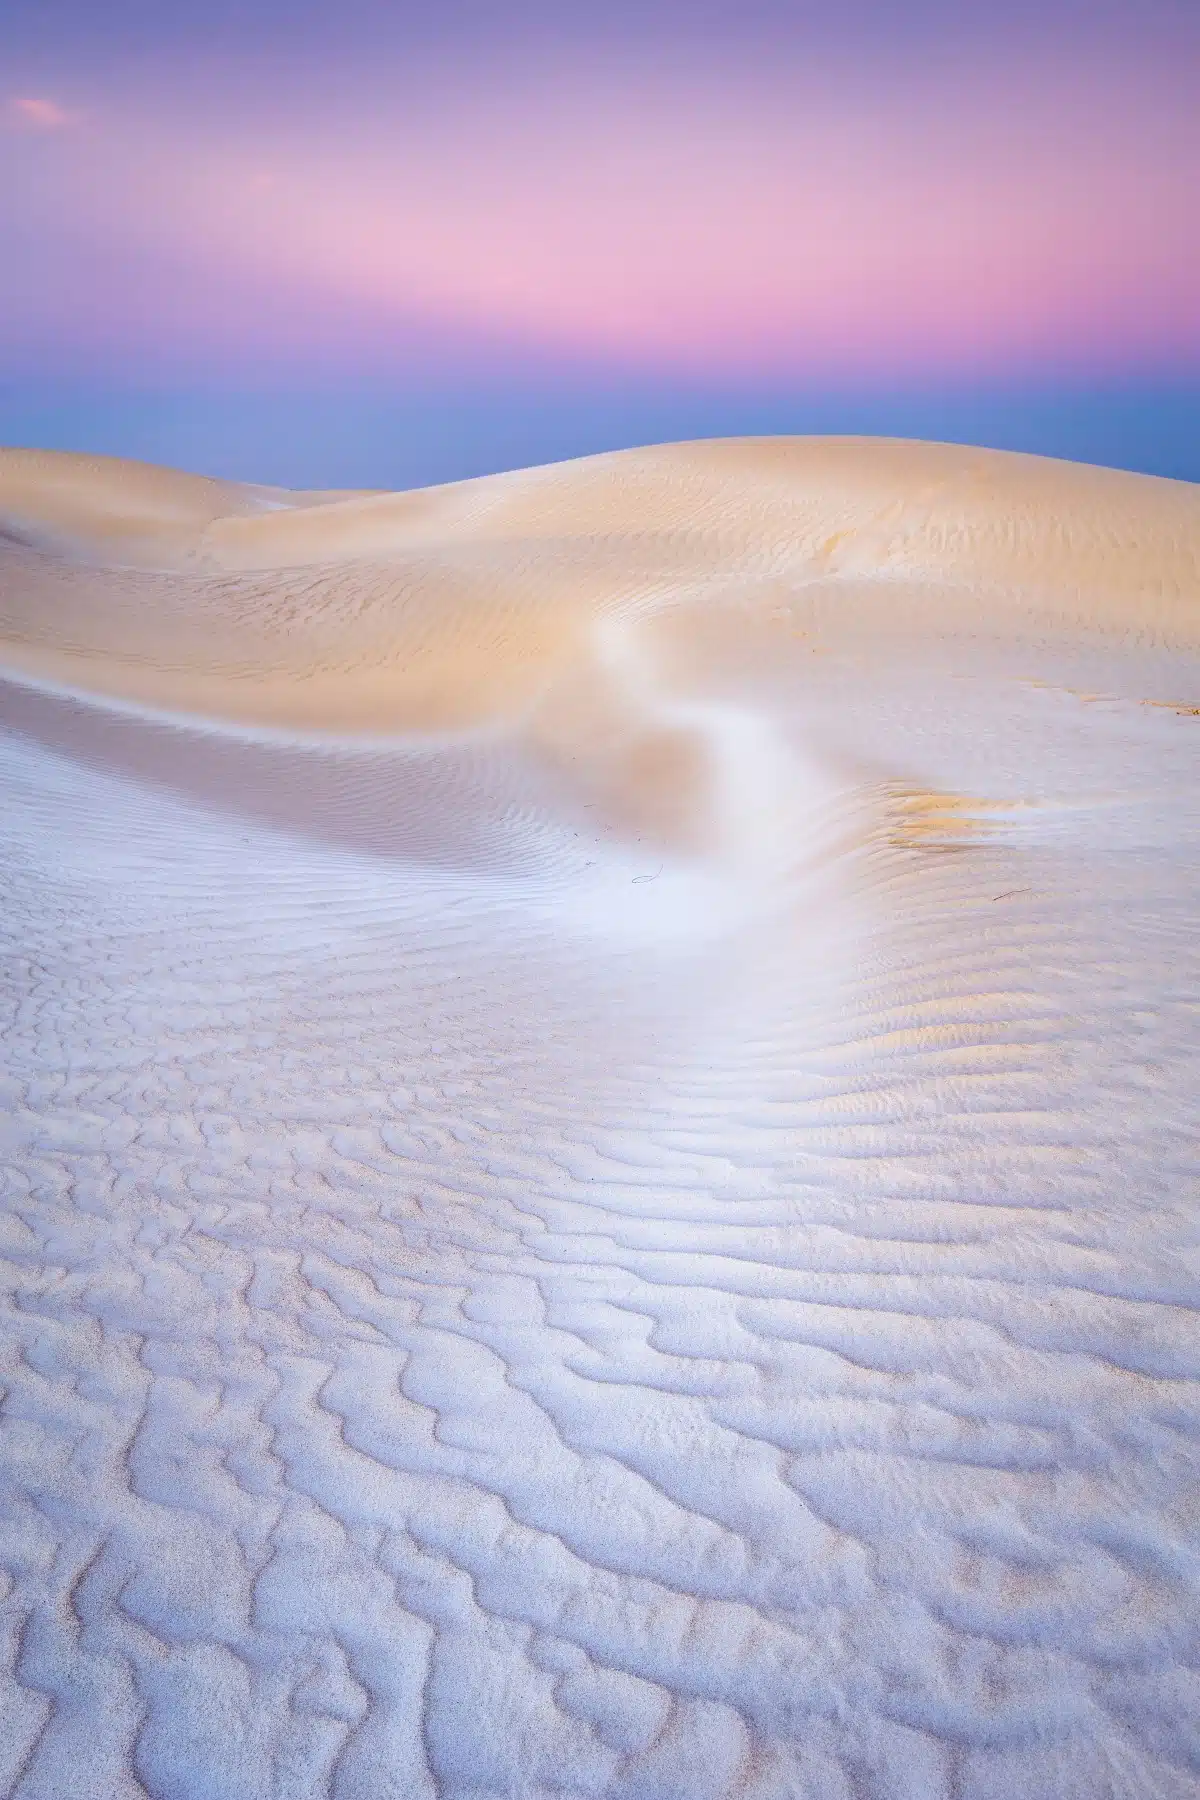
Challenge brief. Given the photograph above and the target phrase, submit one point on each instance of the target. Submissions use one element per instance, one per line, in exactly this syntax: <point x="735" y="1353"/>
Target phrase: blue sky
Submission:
<point x="388" y="244"/>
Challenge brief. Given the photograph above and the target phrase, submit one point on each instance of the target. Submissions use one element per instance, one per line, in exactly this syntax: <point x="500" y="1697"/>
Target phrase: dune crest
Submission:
<point x="598" y="1130"/>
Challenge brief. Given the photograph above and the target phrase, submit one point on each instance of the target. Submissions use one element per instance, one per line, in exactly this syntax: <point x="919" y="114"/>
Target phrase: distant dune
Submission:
<point x="599" y="1130"/>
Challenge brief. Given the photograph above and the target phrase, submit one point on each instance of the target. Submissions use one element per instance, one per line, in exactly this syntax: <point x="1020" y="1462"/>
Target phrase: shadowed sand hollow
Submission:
<point x="599" y="1131"/>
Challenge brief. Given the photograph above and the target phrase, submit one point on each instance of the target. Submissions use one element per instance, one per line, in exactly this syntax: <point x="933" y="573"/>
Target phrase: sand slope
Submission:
<point x="599" y="1131"/>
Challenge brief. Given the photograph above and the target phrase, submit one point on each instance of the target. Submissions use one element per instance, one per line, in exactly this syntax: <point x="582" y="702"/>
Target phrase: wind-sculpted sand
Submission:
<point x="599" y="1123"/>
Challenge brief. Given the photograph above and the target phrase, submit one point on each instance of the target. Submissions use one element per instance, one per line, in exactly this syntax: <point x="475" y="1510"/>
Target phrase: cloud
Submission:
<point x="38" y="113"/>
<point x="823" y="230"/>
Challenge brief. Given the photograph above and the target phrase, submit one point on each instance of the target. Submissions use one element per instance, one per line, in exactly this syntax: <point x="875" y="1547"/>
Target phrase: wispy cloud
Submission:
<point x="814" y="227"/>
<point x="38" y="113"/>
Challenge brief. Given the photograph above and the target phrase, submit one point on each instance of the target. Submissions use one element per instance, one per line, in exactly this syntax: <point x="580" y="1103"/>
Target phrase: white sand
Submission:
<point x="599" y="1132"/>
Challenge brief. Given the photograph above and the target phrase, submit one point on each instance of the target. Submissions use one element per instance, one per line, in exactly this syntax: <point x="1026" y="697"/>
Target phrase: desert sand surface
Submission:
<point x="599" y="1124"/>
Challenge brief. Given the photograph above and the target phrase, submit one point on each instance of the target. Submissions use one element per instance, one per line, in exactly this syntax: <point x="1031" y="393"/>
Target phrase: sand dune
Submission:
<point x="599" y="1131"/>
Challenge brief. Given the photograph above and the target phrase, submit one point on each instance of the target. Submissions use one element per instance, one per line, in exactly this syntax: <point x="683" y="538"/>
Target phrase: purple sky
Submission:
<point x="728" y="200"/>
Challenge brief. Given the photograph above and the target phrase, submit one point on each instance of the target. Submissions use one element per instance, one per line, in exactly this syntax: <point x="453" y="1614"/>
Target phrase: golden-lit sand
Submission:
<point x="599" y="1126"/>
<point x="455" y="605"/>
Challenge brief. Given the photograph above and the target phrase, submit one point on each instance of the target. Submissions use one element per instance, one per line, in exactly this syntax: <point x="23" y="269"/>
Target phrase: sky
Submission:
<point x="385" y="244"/>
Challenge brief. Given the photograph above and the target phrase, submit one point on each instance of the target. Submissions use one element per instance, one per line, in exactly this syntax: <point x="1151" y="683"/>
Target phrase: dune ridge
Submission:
<point x="599" y="1133"/>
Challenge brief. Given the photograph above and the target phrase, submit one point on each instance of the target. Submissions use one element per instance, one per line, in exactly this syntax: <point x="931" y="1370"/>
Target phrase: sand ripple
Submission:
<point x="599" y="1132"/>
